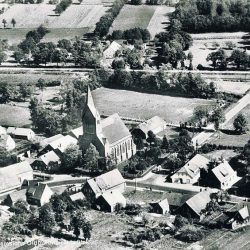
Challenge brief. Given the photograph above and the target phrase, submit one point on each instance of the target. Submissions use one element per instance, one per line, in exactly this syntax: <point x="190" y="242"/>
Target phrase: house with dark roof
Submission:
<point x="47" y="162"/>
<point x="190" y="172"/>
<point x="6" y="142"/>
<point x="110" y="136"/>
<point x="14" y="176"/>
<point x="155" y="124"/>
<point x="21" y="133"/>
<point x="110" y="201"/>
<point x="193" y="207"/>
<point x="39" y="195"/>
<point x="109" y="181"/>
<point x="161" y="207"/>
<point x="13" y="197"/>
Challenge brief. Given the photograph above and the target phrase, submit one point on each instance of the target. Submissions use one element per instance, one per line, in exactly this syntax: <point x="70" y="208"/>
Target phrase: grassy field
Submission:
<point x="159" y="20"/>
<point x="17" y="116"/>
<point x="238" y="88"/>
<point x="132" y="16"/>
<point x="144" y="106"/>
<point x="75" y="21"/>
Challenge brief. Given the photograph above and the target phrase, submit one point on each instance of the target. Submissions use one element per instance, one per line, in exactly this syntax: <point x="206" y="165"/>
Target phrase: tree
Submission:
<point x="165" y="144"/>
<point x="71" y="158"/>
<point x="217" y="57"/>
<point x="91" y="158"/>
<point x="240" y="124"/>
<point x="13" y="22"/>
<point x="58" y="206"/>
<point x="79" y="222"/>
<point x="136" y="2"/>
<point x="41" y="83"/>
<point x="25" y="90"/>
<point x="239" y="58"/>
<point x="20" y="207"/>
<point x="3" y="57"/>
<point x="46" y="219"/>
<point x="118" y="63"/>
<point x="59" y="56"/>
<point x="217" y="117"/>
<point x="4" y="23"/>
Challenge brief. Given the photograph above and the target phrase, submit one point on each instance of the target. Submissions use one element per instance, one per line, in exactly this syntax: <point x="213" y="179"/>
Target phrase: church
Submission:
<point x="110" y="136"/>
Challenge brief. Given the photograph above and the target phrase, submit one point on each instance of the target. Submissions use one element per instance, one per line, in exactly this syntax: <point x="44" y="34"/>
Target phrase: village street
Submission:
<point x="202" y="137"/>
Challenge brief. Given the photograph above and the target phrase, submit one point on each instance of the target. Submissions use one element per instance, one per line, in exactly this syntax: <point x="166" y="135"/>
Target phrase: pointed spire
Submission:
<point x="90" y="101"/>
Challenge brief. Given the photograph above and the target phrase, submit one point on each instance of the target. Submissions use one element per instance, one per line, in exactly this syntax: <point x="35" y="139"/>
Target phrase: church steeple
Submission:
<point x="91" y="118"/>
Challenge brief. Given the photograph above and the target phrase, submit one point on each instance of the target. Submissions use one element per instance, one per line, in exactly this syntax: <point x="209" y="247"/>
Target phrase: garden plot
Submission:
<point x="159" y="20"/>
<point x="132" y="16"/>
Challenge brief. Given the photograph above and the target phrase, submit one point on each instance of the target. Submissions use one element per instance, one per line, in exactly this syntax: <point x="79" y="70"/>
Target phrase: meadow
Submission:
<point x="144" y="106"/>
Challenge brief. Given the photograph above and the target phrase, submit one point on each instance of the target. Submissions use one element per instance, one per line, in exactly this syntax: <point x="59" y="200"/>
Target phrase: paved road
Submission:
<point x="241" y="104"/>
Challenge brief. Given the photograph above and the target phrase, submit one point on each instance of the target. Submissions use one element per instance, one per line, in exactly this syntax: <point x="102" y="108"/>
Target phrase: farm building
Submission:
<point x="21" y="133"/>
<point x="60" y="144"/>
<point x="2" y="130"/>
<point x="155" y="124"/>
<point x="190" y="172"/>
<point x="109" y="53"/>
<point x="110" y="136"/>
<point x="193" y="207"/>
<point x="109" y="181"/>
<point x="77" y="196"/>
<point x="76" y="133"/>
<point x="49" y="140"/>
<point x="12" y="198"/>
<point x="39" y="195"/>
<point x="48" y="161"/>
<point x="161" y="207"/>
<point x="13" y="176"/>
<point x="6" y="142"/>
<point x="110" y="201"/>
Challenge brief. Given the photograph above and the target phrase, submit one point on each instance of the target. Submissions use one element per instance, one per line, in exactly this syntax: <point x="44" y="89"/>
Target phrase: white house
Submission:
<point x="21" y="133"/>
<point x="190" y="172"/>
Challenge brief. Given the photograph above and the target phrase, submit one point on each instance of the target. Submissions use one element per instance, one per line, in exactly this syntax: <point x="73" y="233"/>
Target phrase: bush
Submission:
<point x="190" y="233"/>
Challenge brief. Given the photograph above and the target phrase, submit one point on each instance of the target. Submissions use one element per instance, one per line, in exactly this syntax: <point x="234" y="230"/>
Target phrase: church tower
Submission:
<point x="92" y="128"/>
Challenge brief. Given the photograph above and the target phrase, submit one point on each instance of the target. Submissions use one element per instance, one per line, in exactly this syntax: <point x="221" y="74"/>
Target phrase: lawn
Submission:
<point x="238" y="88"/>
<point x="14" y="36"/>
<point x="17" y="116"/>
<point x="132" y="16"/>
<point x="144" y="106"/>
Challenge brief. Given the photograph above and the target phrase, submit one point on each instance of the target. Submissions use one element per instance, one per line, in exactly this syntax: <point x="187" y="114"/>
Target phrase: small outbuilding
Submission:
<point x="13" y="197"/>
<point x="111" y="201"/>
<point x="6" y="142"/>
<point x="21" y="133"/>
<point x="161" y="207"/>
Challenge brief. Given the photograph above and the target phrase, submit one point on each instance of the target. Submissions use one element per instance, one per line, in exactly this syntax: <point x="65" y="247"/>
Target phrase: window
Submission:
<point x="118" y="151"/>
<point x="123" y="148"/>
<point x="128" y="145"/>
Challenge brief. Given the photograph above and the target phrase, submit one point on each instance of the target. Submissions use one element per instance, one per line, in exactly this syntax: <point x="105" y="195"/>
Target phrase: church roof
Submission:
<point x="114" y="129"/>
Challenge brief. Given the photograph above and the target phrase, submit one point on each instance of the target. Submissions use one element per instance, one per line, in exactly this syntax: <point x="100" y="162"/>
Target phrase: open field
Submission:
<point x="145" y="106"/>
<point x="75" y="21"/>
<point x="132" y="16"/>
<point x="14" y="115"/>
<point x="153" y="18"/>
<point x="159" y="20"/>
<point x="231" y="87"/>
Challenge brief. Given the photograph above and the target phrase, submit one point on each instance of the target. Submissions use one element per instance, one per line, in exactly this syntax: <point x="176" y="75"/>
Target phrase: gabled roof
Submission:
<point x="111" y="50"/>
<point x="193" y="167"/>
<point x="223" y="171"/>
<point x="114" y="129"/>
<point x="163" y="204"/>
<point x="77" y="196"/>
<point x="2" y="130"/>
<point x="4" y="138"/>
<point x="77" y="132"/>
<point x="113" y="197"/>
<point x="18" y="195"/>
<point x="51" y="156"/>
<point x="49" y="140"/>
<point x="155" y="124"/>
<point x="38" y="191"/>
<point x="177" y="199"/>
<point x="106" y="181"/>
<point x="243" y="212"/>
<point x="19" y="131"/>
<point x="9" y="176"/>
<point x="63" y="142"/>
<point x="199" y="201"/>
